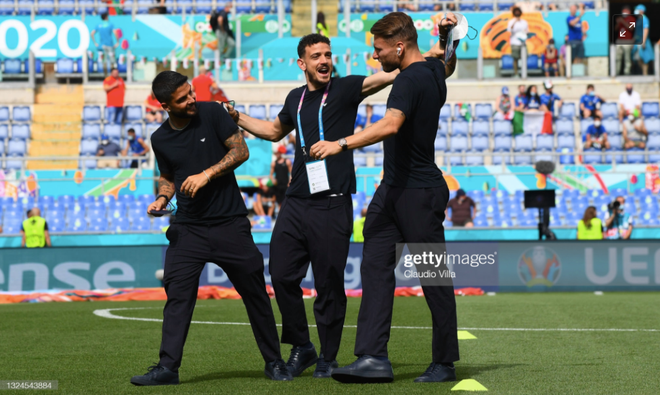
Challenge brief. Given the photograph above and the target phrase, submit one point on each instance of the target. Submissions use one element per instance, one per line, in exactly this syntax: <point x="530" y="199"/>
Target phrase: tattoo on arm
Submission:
<point x="166" y="186"/>
<point x="238" y="153"/>
<point x="450" y="66"/>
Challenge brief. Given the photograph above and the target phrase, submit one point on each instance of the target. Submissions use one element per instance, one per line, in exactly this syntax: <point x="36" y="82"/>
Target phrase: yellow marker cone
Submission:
<point x="469" y="385"/>
<point x="465" y="335"/>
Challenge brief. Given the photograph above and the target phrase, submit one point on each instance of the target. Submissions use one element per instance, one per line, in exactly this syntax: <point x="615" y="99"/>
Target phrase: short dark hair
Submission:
<point x="130" y="130"/>
<point x="113" y="69"/>
<point x="104" y="16"/>
<point x="166" y="83"/>
<point x="309" y="40"/>
<point x="396" y="26"/>
<point x="590" y="86"/>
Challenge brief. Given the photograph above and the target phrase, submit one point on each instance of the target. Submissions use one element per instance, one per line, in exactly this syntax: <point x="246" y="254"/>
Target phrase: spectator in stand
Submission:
<point x="220" y="24"/>
<point x="321" y="27"/>
<point x="562" y="57"/>
<point x="644" y="53"/>
<point x="518" y="29"/>
<point x="590" y="227"/>
<point x="34" y="230"/>
<point x="115" y="89"/>
<point x="548" y="99"/>
<point x="532" y="99"/>
<point x="619" y="225"/>
<point x="364" y="122"/>
<point x="590" y="103"/>
<point x="154" y="109"/>
<point x="630" y="116"/>
<point x="203" y="85"/>
<point x="135" y="146"/>
<point x="625" y="36"/>
<point x="280" y="174"/>
<point x="107" y="149"/>
<point x="358" y="227"/>
<point x="106" y="32"/>
<point x="596" y="135"/>
<point x="521" y="99"/>
<point x="575" y="33"/>
<point x="264" y="199"/>
<point x="463" y="210"/>
<point x="503" y="106"/>
<point x="551" y="56"/>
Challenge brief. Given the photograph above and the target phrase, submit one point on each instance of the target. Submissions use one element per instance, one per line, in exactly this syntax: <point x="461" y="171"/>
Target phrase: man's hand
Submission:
<point x="193" y="184"/>
<point x="159" y="204"/>
<point x="323" y="149"/>
<point x="232" y="112"/>
<point x="448" y="22"/>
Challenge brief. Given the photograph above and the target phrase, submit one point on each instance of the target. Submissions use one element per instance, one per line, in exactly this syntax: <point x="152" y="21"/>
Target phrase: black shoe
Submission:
<point x="324" y="368"/>
<point x="300" y="359"/>
<point x="437" y="373"/>
<point x="276" y="370"/>
<point x="366" y="369"/>
<point x="157" y="375"/>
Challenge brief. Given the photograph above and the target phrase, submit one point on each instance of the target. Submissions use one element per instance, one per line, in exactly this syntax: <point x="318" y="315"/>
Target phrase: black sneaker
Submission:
<point x="437" y="373"/>
<point x="277" y="371"/>
<point x="300" y="359"/>
<point x="324" y="368"/>
<point x="157" y="375"/>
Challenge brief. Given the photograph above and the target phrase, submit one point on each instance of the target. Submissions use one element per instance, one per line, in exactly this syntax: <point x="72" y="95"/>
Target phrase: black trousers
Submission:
<point x="398" y="215"/>
<point x="230" y="246"/>
<point x="316" y="229"/>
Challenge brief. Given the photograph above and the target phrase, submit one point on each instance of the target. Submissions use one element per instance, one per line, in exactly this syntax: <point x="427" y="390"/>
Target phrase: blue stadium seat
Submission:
<point x="652" y="125"/>
<point x="46" y="7"/>
<point x="440" y="143"/>
<point x="4" y="114"/>
<point x="16" y="147"/>
<point x="611" y="126"/>
<point x="91" y="114"/>
<point x="118" y="211"/>
<point x="474" y="160"/>
<point x="135" y="126"/>
<point x="126" y="199"/>
<point x="141" y="224"/>
<point x="544" y="142"/>
<point x="635" y="155"/>
<point x="107" y="200"/>
<point x="486" y="5"/>
<point x="88" y="147"/>
<point x="503" y="223"/>
<point x="262" y="223"/>
<point x="480" y="127"/>
<point x="374" y="148"/>
<point x="459" y="128"/>
<point x="65" y="66"/>
<point x="592" y="156"/>
<point x="385" y="6"/>
<point x="445" y="112"/>
<point x="20" y="131"/>
<point x="98" y="225"/>
<point x="564" y="126"/>
<point x="368" y="5"/>
<point x="87" y="199"/>
<point x="507" y="62"/>
<point x="91" y="131"/>
<point x="6" y="7"/>
<point x="274" y="111"/>
<point x="458" y="143"/>
<point x="56" y="225"/>
<point x="502" y="143"/>
<point x="650" y="110"/>
<point x="502" y="127"/>
<point x="159" y="223"/>
<point x="467" y="6"/>
<point x="113" y="131"/>
<point x="522" y="159"/>
<point x="595" y="193"/>
<point x="443" y="128"/>
<point x="77" y="225"/>
<point x="379" y="110"/>
<point x="67" y="7"/>
<point x="25" y="7"/>
<point x="133" y="113"/>
<point x="258" y="111"/>
<point x="543" y="154"/>
<point x="21" y="114"/>
<point x="567" y="111"/>
<point x="615" y="192"/>
<point x="145" y="5"/>
<point x="609" y="111"/>
<point x="502" y="156"/>
<point x="523" y="143"/>
<point x="483" y="111"/>
<point x="479" y="143"/>
<point x="146" y="199"/>
<point x="11" y="227"/>
<point x="120" y="224"/>
<point x="584" y="125"/>
<point x="533" y="62"/>
<point x="481" y="222"/>
<point x="565" y="141"/>
<point x="4" y="135"/>
<point x="567" y="156"/>
<point x="616" y="141"/>
<point x="13" y="66"/>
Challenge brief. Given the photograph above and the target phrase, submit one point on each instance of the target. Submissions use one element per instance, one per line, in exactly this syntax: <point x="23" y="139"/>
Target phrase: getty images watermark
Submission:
<point x="445" y="264"/>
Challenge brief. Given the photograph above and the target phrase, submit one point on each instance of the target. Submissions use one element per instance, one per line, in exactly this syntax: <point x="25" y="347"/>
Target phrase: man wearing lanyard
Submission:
<point x="316" y="219"/>
<point x="408" y="206"/>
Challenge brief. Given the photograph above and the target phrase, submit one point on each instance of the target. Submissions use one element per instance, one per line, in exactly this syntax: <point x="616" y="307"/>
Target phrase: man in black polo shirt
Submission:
<point x="316" y="219"/>
<point x="408" y="206"/>
<point x="197" y="150"/>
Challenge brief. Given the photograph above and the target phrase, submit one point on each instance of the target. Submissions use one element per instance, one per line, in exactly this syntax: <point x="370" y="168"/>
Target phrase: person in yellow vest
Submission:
<point x="590" y="227"/>
<point x="358" y="227"/>
<point x="35" y="230"/>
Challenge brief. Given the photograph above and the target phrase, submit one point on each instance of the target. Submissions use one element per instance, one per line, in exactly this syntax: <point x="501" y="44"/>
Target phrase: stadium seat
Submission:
<point x="652" y="125"/>
<point x="458" y="143"/>
<point x="483" y="111"/>
<point x="4" y="135"/>
<point x="443" y="128"/>
<point x="142" y="223"/>
<point x="507" y="63"/>
<point x="117" y="211"/>
<point x="523" y="143"/>
<point x="480" y="143"/>
<point x="567" y="157"/>
<point x="65" y="66"/>
<point x="543" y="154"/>
<point x="46" y="7"/>
<point x="502" y="142"/>
<point x="564" y="126"/>
<point x="359" y="161"/>
<point x="592" y="156"/>
<point x="565" y="141"/>
<point x="584" y="125"/>
<point x="650" y="110"/>
<point x="258" y="112"/>
<point x="126" y="199"/>
<point x="67" y="7"/>
<point x="544" y="142"/>
<point x="533" y="63"/>
<point x="91" y="131"/>
<point x="480" y="127"/>
<point x="135" y="126"/>
<point x="11" y="226"/>
<point x="474" y="160"/>
<point x="147" y="199"/>
<point x="16" y="147"/>
<point x="368" y="5"/>
<point x="522" y="159"/>
<point x="88" y="147"/>
<point x="609" y="111"/>
<point x="21" y="114"/>
<point x="4" y="114"/>
<point x="567" y="111"/>
<point x="440" y="143"/>
<point x="98" y="225"/>
<point x="274" y="111"/>
<point x="159" y="223"/>
<point x="12" y="66"/>
<point x="459" y="128"/>
<point x="445" y="112"/>
<point x="262" y="223"/>
<point x="635" y="155"/>
<point x="120" y="224"/>
<point x="612" y="126"/>
<point x="79" y="224"/>
<point x="502" y="127"/>
<point x="20" y="131"/>
<point x="502" y="156"/>
<point x="7" y="7"/>
<point x="133" y="113"/>
<point x="373" y="148"/>
<point x="595" y="193"/>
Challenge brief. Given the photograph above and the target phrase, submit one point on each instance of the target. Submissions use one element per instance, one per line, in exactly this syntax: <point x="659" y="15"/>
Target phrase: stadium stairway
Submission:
<point x="56" y="126"/>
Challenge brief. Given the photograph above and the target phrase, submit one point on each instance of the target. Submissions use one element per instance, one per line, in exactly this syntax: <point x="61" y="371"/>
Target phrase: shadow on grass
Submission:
<point x="239" y="374"/>
<point x="462" y="371"/>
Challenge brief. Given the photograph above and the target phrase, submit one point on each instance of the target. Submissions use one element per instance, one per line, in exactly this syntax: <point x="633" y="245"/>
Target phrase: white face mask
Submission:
<point x="597" y="124"/>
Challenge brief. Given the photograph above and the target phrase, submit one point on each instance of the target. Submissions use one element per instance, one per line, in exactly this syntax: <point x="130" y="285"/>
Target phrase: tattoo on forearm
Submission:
<point x="395" y="113"/>
<point x="450" y="66"/>
<point x="165" y="187"/>
<point x="238" y="153"/>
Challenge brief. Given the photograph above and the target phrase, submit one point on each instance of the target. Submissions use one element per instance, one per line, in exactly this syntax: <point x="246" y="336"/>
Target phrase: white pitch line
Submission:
<point x="107" y="313"/>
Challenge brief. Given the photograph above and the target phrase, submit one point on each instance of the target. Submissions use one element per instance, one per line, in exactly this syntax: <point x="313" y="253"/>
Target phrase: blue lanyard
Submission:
<point x="300" y="131"/>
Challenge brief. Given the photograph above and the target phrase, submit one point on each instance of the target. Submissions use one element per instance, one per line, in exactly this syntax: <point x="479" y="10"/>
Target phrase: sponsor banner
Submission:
<point x="81" y="268"/>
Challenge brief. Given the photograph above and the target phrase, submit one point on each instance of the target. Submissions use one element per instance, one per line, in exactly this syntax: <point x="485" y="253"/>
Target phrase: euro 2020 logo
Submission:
<point x="539" y="266"/>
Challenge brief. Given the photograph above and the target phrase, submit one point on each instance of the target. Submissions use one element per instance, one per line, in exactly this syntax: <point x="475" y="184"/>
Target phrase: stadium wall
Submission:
<point x="520" y="267"/>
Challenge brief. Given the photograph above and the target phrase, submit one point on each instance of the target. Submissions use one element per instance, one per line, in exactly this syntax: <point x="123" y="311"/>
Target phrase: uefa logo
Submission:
<point x="539" y="266"/>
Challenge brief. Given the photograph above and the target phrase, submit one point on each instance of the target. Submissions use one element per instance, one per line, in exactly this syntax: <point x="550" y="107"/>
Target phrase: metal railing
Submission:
<point x="144" y="162"/>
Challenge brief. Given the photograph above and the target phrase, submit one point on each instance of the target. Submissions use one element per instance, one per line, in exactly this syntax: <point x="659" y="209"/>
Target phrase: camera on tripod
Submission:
<point x="613" y="206"/>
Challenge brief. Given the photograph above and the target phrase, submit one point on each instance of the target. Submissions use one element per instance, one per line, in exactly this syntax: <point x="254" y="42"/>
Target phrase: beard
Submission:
<point x="183" y="114"/>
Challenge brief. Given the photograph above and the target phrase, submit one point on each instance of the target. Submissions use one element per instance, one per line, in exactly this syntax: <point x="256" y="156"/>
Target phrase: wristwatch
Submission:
<point x="343" y="144"/>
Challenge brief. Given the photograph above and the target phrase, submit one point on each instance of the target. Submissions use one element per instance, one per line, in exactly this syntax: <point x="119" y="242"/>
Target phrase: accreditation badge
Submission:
<point x="317" y="176"/>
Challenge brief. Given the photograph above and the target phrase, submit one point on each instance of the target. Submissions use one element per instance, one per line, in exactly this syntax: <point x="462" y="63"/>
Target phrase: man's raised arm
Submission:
<point x="267" y="130"/>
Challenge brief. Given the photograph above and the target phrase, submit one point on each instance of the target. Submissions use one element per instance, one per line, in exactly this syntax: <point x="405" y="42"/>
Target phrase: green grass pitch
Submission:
<point x="89" y="354"/>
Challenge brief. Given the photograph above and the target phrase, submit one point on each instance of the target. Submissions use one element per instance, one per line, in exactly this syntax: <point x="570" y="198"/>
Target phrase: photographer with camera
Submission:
<point x="619" y="225"/>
